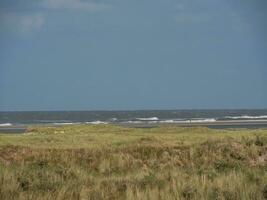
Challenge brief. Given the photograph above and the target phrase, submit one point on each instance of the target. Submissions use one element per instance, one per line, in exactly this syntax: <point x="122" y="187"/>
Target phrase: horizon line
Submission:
<point x="135" y="110"/>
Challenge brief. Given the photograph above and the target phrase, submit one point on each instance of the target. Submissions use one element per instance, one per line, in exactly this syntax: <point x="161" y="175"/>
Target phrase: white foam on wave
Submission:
<point x="65" y="123"/>
<point x="201" y="120"/>
<point x="96" y="122"/>
<point x="148" y="119"/>
<point x="133" y="122"/>
<point x="189" y="121"/>
<point x="5" y="124"/>
<point x="169" y="121"/>
<point x="247" y="117"/>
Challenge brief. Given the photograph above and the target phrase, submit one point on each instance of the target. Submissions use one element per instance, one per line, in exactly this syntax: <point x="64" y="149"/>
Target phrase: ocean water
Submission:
<point x="8" y="119"/>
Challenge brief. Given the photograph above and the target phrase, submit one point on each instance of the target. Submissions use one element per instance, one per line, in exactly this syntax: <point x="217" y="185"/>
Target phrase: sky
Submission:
<point x="132" y="54"/>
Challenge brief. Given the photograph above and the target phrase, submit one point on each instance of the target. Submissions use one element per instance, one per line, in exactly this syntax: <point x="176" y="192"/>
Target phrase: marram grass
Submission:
<point x="112" y="162"/>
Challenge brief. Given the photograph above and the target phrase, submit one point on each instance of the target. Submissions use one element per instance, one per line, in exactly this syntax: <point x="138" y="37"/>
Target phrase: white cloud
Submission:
<point x="25" y="22"/>
<point x="22" y="22"/>
<point x="74" y="5"/>
<point x="31" y="22"/>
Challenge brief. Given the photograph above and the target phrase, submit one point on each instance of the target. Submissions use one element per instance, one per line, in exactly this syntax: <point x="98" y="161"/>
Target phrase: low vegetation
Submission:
<point x="112" y="162"/>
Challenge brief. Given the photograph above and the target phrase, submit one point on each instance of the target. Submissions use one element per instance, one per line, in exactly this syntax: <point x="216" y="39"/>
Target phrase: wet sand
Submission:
<point x="13" y="129"/>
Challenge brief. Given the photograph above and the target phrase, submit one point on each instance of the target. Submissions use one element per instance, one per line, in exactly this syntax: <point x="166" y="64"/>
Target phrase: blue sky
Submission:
<point x="141" y="54"/>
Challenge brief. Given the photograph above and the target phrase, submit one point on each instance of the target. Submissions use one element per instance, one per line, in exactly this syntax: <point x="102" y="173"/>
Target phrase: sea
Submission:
<point x="17" y="121"/>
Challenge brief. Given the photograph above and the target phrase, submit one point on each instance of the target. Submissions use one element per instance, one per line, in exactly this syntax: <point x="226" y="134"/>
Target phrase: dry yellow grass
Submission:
<point x="111" y="162"/>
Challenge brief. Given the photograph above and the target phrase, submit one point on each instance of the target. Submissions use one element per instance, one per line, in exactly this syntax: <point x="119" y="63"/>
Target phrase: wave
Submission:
<point x="132" y="122"/>
<point x="148" y="119"/>
<point x="170" y="121"/>
<point x="96" y="122"/>
<point x="202" y="120"/>
<point x="65" y="123"/>
<point x="246" y="117"/>
<point x="75" y="123"/>
<point x="189" y="121"/>
<point x="5" y="124"/>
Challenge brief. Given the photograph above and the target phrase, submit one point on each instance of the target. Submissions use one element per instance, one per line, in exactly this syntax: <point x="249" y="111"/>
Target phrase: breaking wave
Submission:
<point x="148" y="119"/>
<point x="5" y="124"/>
<point x="132" y="122"/>
<point x="189" y="121"/>
<point x="96" y="122"/>
<point x="247" y="117"/>
<point x="65" y="123"/>
<point x="201" y="120"/>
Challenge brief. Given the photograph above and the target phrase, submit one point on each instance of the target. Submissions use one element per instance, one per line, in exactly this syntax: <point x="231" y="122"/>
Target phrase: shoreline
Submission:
<point x="217" y="124"/>
<point x="250" y="124"/>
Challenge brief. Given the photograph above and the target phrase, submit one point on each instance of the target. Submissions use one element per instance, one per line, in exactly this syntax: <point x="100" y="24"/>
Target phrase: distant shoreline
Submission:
<point x="251" y="124"/>
<point x="217" y="124"/>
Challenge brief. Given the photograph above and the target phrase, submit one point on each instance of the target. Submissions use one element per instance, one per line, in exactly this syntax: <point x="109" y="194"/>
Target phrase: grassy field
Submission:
<point x="112" y="162"/>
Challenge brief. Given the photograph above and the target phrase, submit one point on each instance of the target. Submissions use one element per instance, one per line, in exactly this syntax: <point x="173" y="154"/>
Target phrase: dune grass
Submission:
<point x="112" y="162"/>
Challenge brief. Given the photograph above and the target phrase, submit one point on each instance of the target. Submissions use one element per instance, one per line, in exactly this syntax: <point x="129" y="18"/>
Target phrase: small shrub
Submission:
<point x="24" y="183"/>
